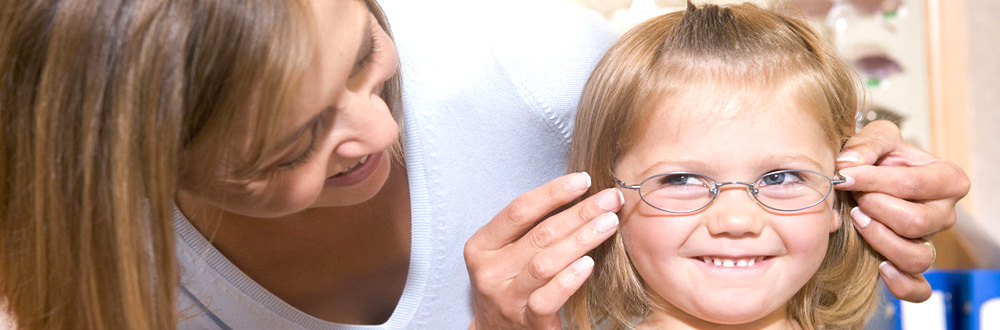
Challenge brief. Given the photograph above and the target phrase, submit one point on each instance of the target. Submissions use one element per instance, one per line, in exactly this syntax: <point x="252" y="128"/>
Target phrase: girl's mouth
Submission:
<point x="730" y="262"/>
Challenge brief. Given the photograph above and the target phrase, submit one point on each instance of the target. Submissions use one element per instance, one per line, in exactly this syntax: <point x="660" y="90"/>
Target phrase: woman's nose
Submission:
<point x="365" y="127"/>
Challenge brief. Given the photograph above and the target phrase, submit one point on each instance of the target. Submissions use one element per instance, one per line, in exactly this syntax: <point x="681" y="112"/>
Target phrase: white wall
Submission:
<point x="984" y="115"/>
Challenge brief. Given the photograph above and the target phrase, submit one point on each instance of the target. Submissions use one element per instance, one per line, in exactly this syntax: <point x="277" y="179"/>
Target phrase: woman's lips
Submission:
<point x="356" y="173"/>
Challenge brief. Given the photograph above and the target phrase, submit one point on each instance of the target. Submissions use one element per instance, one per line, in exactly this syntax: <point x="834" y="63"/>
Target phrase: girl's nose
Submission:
<point x="735" y="213"/>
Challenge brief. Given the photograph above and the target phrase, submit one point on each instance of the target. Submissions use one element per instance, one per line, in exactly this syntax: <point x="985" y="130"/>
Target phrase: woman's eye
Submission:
<point x="300" y="158"/>
<point x="303" y="156"/>
<point x="364" y="61"/>
<point x="373" y="46"/>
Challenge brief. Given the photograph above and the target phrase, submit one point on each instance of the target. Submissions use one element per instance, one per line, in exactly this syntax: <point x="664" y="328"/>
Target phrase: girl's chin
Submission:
<point x="749" y="318"/>
<point x="715" y="313"/>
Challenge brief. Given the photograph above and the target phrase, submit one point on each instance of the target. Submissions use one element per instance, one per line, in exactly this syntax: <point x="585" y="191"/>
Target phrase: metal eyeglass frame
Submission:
<point x="750" y="187"/>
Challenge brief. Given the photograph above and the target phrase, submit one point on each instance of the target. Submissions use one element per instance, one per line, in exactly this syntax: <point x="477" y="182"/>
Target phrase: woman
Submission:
<point x="236" y="112"/>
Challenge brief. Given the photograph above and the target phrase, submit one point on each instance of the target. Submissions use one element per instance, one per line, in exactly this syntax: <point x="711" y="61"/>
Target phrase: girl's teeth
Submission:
<point x="730" y="263"/>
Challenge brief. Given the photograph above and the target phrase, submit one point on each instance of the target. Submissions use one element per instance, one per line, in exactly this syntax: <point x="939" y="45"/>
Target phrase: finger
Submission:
<point x="913" y="288"/>
<point x="559" y="226"/>
<point x="906" y="218"/>
<point x="875" y="140"/>
<point x="902" y="154"/>
<point x="554" y="260"/>
<point x="906" y="154"/>
<point x="524" y="211"/>
<point x="909" y="255"/>
<point x="932" y="181"/>
<point x="544" y="303"/>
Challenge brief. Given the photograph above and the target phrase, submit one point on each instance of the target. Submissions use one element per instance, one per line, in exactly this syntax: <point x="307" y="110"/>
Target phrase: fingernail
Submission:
<point x="606" y="222"/>
<point x="610" y="201"/>
<point x="860" y="218"/>
<point x="889" y="272"/>
<point x="849" y="156"/>
<point x="848" y="181"/>
<point x="583" y="265"/>
<point x="578" y="182"/>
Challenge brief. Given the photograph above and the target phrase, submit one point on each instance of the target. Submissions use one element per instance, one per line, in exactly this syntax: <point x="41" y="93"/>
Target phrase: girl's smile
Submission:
<point x="731" y="262"/>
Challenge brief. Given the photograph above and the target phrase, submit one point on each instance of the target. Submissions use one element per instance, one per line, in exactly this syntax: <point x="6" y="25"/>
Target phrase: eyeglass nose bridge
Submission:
<point x="750" y="188"/>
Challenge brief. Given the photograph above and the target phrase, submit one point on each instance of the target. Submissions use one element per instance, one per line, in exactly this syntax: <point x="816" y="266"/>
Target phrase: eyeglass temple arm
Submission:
<point x="623" y="185"/>
<point x="838" y="179"/>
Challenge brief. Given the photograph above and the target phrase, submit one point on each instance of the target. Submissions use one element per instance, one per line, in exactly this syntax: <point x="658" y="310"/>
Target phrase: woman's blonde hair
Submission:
<point x="746" y="48"/>
<point x="99" y="101"/>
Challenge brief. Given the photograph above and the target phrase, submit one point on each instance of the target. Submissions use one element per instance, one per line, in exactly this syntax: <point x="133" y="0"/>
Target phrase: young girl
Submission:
<point x="721" y="126"/>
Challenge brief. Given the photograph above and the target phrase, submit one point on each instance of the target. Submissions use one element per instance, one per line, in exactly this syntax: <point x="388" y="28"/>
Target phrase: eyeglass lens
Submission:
<point x="781" y="190"/>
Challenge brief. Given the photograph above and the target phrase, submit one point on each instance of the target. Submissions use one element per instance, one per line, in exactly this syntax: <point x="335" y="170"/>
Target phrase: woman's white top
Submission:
<point x="489" y="94"/>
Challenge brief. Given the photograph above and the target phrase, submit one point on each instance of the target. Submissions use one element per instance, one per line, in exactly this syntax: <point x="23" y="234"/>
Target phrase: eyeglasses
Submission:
<point x="687" y="192"/>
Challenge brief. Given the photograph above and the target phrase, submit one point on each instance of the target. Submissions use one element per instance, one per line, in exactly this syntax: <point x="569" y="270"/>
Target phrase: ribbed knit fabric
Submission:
<point x="489" y="93"/>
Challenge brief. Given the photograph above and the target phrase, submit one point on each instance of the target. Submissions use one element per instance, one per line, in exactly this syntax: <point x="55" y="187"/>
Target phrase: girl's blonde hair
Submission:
<point x="99" y="100"/>
<point x="746" y="48"/>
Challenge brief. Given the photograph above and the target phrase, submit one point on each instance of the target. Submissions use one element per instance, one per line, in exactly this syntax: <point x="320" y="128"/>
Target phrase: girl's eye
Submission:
<point x="780" y="178"/>
<point x="680" y="180"/>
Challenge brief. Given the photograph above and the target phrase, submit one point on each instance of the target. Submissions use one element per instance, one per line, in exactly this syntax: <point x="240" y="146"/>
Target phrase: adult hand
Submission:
<point x="905" y="195"/>
<point x="523" y="270"/>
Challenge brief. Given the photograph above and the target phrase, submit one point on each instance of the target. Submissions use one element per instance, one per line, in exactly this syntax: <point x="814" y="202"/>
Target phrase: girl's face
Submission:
<point x="729" y="137"/>
<point x="332" y="144"/>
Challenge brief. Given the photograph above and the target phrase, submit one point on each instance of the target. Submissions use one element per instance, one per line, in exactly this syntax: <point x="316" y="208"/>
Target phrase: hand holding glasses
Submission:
<point x="687" y="192"/>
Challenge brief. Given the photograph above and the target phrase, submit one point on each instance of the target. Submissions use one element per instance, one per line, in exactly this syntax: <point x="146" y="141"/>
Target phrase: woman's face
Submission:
<point x="331" y="145"/>
<point x="734" y="262"/>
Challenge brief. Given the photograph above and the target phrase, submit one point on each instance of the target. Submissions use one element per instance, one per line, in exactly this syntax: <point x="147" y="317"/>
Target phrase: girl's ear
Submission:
<point x="836" y="220"/>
